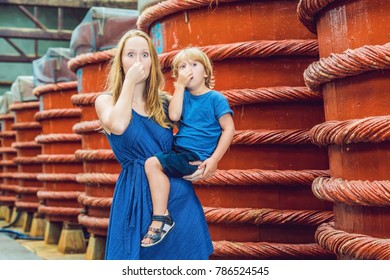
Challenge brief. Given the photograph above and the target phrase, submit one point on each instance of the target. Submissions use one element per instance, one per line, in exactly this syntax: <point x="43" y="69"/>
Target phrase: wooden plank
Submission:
<point x="34" y="33"/>
<point x="123" y="4"/>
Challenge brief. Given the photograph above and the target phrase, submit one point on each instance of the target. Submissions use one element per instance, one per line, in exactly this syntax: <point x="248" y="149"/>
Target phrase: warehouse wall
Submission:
<point x="11" y="16"/>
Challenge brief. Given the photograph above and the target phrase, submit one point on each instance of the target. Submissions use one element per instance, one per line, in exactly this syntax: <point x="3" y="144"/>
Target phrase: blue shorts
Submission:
<point x="176" y="164"/>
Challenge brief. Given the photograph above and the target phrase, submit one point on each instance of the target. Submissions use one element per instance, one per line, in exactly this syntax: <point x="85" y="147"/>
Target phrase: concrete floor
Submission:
<point x="12" y="250"/>
<point x="21" y="249"/>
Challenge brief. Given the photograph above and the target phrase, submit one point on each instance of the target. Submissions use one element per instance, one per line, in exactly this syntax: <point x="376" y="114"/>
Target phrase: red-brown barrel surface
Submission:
<point x="29" y="165"/>
<point x="57" y="115"/>
<point x="100" y="166"/>
<point x="259" y="204"/>
<point x="353" y="75"/>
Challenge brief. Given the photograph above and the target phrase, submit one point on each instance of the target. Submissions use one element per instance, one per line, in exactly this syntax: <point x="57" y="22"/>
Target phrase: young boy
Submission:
<point x="206" y="130"/>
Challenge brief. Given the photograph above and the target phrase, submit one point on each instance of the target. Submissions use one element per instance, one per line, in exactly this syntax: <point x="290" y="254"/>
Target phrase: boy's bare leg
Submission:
<point x="159" y="189"/>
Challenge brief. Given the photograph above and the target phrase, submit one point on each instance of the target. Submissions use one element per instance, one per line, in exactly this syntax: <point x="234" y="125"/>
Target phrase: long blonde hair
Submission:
<point x="154" y="83"/>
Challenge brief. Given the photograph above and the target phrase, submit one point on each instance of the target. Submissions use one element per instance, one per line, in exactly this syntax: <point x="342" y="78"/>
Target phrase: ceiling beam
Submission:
<point x="19" y="50"/>
<point x="34" y="33"/>
<point x="5" y="83"/>
<point x="17" y="59"/>
<point x="31" y="17"/>
<point x="124" y="4"/>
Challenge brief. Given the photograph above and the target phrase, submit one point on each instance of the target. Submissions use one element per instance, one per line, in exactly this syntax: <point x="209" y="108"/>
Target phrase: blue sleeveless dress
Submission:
<point x="131" y="209"/>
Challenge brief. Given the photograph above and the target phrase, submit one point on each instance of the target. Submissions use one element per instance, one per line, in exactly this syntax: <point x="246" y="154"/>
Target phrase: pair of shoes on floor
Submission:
<point x="158" y="234"/>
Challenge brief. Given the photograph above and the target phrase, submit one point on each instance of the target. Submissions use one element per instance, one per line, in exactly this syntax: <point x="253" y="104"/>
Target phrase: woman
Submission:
<point x="134" y="119"/>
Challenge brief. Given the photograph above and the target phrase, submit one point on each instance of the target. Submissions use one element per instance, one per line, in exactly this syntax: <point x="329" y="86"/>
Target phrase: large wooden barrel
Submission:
<point x="60" y="167"/>
<point x="27" y="151"/>
<point x="259" y="204"/>
<point x="353" y="74"/>
<point x="8" y="167"/>
<point x="101" y="168"/>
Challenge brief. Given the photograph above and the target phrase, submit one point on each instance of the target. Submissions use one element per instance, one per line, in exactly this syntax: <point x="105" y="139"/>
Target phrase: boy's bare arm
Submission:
<point x="210" y="164"/>
<point x="176" y="105"/>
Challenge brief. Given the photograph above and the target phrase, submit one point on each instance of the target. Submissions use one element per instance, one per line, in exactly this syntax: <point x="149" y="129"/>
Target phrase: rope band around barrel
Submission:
<point x="5" y="187"/>
<point x="267" y="216"/>
<point x="88" y="127"/>
<point x="27" y="190"/>
<point x="372" y="129"/>
<point x="263" y="177"/>
<point x="26" y="205"/>
<point x="57" y="114"/>
<point x="7" y="163"/>
<point x="57" y="177"/>
<point x="58" y="137"/>
<point x="26" y="126"/>
<point x="7" y="200"/>
<point x="93" y="222"/>
<point x="267" y="250"/>
<point x="271" y="95"/>
<point x="263" y="136"/>
<point x="7" y="175"/>
<point x="25" y="145"/>
<point x="25" y="176"/>
<point x="90" y="58"/>
<point x="7" y="117"/>
<point x="84" y="99"/>
<point x="94" y="155"/>
<point x="7" y="134"/>
<point x="27" y="160"/>
<point x="353" y="192"/>
<point x="307" y="10"/>
<point x="97" y="178"/>
<point x="99" y="202"/>
<point x="262" y="48"/>
<point x="58" y="195"/>
<point x="355" y="246"/>
<point x="61" y="158"/>
<point x="164" y="8"/>
<point x="7" y="150"/>
<point x="348" y="63"/>
<point x="22" y="106"/>
<point x="59" y="211"/>
<point x="50" y="88"/>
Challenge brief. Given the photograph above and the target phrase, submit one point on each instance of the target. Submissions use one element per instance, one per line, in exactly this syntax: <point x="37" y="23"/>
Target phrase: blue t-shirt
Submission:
<point x="199" y="128"/>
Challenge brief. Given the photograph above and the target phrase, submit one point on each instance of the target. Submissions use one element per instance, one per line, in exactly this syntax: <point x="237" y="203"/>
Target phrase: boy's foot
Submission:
<point x="160" y="227"/>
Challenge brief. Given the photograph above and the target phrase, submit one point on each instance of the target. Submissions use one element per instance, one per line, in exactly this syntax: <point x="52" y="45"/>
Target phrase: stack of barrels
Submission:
<point x="100" y="166"/>
<point x="59" y="197"/>
<point x="26" y="203"/>
<point x="353" y="74"/>
<point x="8" y="167"/>
<point x="259" y="203"/>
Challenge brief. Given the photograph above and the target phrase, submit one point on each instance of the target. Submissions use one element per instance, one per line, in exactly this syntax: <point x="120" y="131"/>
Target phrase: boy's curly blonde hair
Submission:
<point x="197" y="55"/>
